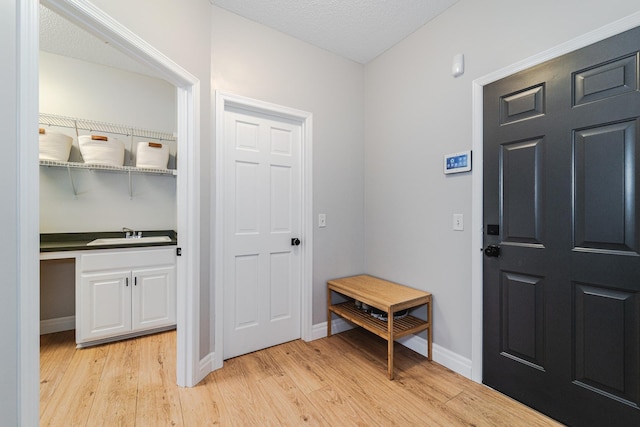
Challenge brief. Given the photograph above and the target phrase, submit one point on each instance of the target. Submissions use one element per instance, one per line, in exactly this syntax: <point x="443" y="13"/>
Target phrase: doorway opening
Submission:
<point x="93" y="20"/>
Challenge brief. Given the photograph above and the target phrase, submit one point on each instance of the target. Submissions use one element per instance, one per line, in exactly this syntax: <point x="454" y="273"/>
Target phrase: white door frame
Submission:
<point x="224" y="100"/>
<point x="87" y="16"/>
<point x="595" y="36"/>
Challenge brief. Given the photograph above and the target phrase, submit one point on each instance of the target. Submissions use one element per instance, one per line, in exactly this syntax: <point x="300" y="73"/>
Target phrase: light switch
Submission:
<point x="322" y="220"/>
<point x="458" y="222"/>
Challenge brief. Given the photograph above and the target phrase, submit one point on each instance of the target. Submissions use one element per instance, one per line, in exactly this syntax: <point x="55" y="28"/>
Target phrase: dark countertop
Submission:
<point x="56" y="242"/>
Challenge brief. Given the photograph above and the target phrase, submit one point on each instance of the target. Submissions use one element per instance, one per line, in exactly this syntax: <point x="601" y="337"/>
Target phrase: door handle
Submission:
<point x="295" y="242"/>
<point x="492" y="251"/>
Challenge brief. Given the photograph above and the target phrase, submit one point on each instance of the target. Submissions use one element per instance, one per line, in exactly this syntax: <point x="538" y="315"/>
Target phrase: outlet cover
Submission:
<point x="322" y="220"/>
<point x="458" y="222"/>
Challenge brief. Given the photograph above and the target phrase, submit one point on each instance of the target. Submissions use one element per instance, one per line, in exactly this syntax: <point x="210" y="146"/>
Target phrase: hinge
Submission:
<point x="178" y="251"/>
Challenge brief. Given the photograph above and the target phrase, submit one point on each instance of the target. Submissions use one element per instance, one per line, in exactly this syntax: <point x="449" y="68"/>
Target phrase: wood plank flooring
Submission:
<point x="336" y="381"/>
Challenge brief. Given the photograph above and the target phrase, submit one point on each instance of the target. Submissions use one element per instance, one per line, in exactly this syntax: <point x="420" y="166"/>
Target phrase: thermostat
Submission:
<point x="457" y="162"/>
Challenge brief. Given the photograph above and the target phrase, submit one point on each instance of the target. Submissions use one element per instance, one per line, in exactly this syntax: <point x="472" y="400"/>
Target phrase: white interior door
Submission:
<point x="262" y="217"/>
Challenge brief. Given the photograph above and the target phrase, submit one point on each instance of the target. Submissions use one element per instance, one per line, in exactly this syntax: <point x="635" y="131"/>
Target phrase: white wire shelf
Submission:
<point x="128" y="169"/>
<point x="96" y="126"/>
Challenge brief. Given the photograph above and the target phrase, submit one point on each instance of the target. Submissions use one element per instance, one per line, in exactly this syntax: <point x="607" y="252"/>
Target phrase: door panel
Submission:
<point x="562" y="301"/>
<point x="606" y="165"/>
<point x="246" y="209"/>
<point x="606" y="80"/>
<point x="281" y="305"/>
<point x="262" y="193"/>
<point x="281" y="203"/>
<point x="521" y="182"/>
<point x="246" y="300"/>
<point x="522" y="105"/>
<point x="607" y="341"/>
<point x="522" y="318"/>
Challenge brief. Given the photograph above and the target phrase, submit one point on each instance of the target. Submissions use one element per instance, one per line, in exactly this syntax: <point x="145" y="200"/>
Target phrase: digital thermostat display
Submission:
<point x="457" y="162"/>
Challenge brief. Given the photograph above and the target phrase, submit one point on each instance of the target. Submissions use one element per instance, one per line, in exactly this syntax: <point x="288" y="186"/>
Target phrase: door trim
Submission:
<point x="579" y="42"/>
<point x="86" y="15"/>
<point x="28" y="247"/>
<point x="224" y="100"/>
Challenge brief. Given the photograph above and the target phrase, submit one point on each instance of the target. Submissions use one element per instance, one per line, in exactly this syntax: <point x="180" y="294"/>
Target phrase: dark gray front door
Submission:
<point x="562" y="202"/>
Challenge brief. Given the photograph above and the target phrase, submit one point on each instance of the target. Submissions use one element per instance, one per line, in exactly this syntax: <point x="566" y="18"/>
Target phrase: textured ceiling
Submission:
<point x="356" y="29"/>
<point x="59" y="36"/>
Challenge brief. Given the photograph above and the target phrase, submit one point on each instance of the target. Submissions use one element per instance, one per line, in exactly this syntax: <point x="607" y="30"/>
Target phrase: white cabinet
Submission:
<point x="153" y="302"/>
<point x="105" y="305"/>
<point x="125" y="292"/>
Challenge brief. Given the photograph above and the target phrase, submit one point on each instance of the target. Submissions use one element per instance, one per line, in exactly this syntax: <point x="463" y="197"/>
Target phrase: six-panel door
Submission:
<point x="262" y="219"/>
<point x="561" y="187"/>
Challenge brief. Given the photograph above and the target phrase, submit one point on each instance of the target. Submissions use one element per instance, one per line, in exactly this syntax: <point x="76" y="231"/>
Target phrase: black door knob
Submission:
<point x="295" y="242"/>
<point x="492" y="251"/>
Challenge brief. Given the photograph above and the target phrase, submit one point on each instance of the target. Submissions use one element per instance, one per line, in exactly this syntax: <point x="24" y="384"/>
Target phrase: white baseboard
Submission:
<point x="441" y="355"/>
<point x="59" y="324"/>
<point x="337" y="325"/>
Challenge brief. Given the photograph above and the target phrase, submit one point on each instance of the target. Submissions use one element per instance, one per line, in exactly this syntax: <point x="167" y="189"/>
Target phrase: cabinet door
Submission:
<point x="154" y="297"/>
<point x="105" y="308"/>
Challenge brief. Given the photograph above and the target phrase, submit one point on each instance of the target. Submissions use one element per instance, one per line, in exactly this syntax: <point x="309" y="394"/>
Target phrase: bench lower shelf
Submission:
<point x="401" y="326"/>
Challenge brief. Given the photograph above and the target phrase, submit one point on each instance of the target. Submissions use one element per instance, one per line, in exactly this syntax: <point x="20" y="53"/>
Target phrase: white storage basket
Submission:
<point x="54" y="146"/>
<point x="101" y="150"/>
<point x="152" y="155"/>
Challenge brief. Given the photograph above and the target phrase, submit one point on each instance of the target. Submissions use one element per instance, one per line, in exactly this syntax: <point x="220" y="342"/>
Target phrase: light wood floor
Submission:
<point x="337" y="381"/>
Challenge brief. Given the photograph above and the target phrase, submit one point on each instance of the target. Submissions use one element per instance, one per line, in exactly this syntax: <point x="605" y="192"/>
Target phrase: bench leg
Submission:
<point x="328" y="313"/>
<point x="430" y="332"/>
<point x="390" y="345"/>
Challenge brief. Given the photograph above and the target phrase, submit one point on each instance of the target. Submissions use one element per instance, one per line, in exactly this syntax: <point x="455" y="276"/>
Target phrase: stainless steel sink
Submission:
<point x="129" y="241"/>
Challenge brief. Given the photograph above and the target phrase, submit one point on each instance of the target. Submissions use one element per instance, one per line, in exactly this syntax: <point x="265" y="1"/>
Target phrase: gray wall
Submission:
<point x="57" y="289"/>
<point x="252" y="60"/>
<point x="415" y="112"/>
<point x="9" y="391"/>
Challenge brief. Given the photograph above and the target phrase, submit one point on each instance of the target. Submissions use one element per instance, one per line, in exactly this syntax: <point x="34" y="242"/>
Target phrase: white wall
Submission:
<point x="416" y="112"/>
<point x="252" y="60"/>
<point x="9" y="354"/>
<point x="76" y="88"/>
<point x="79" y="89"/>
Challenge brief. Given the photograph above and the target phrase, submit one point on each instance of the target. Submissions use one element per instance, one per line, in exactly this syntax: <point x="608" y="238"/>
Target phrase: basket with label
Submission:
<point x="101" y="150"/>
<point x="152" y="155"/>
<point x="54" y="146"/>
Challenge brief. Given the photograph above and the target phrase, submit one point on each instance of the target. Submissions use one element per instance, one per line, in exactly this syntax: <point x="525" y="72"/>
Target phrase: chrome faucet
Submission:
<point x="130" y="234"/>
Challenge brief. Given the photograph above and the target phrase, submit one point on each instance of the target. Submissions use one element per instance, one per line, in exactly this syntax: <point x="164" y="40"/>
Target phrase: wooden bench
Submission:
<point x="386" y="296"/>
